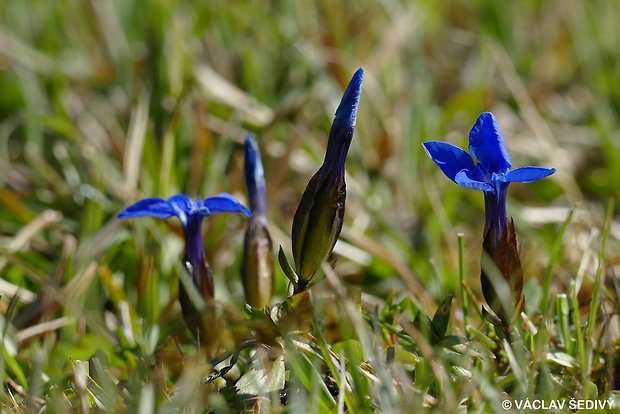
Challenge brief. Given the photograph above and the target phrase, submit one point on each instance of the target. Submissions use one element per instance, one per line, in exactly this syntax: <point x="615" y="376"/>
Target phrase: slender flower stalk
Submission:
<point x="191" y="214"/>
<point x="318" y="220"/>
<point x="492" y="175"/>
<point x="257" y="270"/>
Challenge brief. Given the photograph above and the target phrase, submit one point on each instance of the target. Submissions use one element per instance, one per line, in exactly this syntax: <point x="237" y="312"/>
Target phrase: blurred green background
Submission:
<point x="105" y="102"/>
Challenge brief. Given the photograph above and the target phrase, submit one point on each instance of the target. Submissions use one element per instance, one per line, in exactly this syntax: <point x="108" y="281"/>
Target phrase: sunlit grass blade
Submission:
<point x="556" y="250"/>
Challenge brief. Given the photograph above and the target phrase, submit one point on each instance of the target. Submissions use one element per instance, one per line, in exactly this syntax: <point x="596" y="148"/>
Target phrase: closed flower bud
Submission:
<point x="257" y="269"/>
<point x="319" y="216"/>
<point x="258" y="264"/>
<point x="503" y="252"/>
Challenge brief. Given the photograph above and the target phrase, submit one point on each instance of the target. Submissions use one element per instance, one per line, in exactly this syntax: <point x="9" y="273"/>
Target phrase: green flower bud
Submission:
<point x="318" y="219"/>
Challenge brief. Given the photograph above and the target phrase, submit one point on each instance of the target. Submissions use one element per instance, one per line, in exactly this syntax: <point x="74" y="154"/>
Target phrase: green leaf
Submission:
<point x="589" y="390"/>
<point x="256" y="314"/>
<point x="259" y="381"/>
<point x="408" y="305"/>
<point x="287" y="268"/>
<point x="352" y="349"/>
<point x="424" y="324"/>
<point x="14" y="367"/>
<point x="303" y="371"/>
<point x="561" y="358"/>
<point x="403" y="356"/>
<point x="85" y="347"/>
<point x="442" y="316"/>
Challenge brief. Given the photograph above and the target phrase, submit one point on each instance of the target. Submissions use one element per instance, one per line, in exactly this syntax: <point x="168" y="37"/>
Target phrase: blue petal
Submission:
<point x="148" y="207"/>
<point x="223" y="203"/>
<point x="527" y="174"/>
<point x="464" y="180"/>
<point x="182" y="202"/>
<point x="182" y="205"/>
<point x="450" y="158"/>
<point x="487" y="144"/>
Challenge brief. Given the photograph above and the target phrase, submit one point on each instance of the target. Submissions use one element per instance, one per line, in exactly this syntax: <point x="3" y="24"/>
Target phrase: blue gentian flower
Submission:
<point x="491" y="174"/>
<point x="191" y="214"/>
<point x="257" y="270"/>
<point x="318" y="220"/>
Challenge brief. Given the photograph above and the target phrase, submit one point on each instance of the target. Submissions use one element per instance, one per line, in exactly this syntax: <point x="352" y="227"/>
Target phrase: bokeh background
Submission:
<point x="105" y="102"/>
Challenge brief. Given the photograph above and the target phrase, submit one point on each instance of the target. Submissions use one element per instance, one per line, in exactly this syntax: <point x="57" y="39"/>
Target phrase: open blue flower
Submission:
<point x="191" y="214"/>
<point x="490" y="174"/>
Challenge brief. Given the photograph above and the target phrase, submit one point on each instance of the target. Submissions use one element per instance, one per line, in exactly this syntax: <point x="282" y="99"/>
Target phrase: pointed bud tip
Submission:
<point x="255" y="177"/>
<point x="252" y="158"/>
<point x="347" y="110"/>
<point x="250" y="142"/>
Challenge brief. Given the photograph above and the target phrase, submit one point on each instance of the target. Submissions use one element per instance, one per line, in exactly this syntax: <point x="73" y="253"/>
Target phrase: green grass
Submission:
<point x="105" y="102"/>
